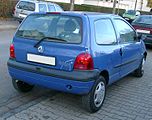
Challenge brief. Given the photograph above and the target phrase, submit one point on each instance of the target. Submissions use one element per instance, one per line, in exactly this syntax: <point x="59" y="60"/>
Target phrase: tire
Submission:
<point x="89" y="101"/>
<point x="139" y="72"/>
<point x="20" y="22"/>
<point x="22" y="86"/>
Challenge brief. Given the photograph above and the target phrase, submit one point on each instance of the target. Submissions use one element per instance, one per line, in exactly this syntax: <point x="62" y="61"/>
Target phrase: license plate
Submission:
<point x="22" y="15"/>
<point x="143" y="31"/>
<point x="41" y="59"/>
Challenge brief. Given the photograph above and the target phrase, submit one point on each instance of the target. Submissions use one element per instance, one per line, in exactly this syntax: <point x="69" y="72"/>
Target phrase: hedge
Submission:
<point x="7" y="6"/>
<point x="92" y="8"/>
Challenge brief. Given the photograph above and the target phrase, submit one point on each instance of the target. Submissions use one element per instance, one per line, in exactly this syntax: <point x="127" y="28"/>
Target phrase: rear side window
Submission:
<point x="63" y="27"/>
<point x="58" y="8"/>
<point x="144" y="20"/>
<point x="42" y="8"/>
<point x="26" y="6"/>
<point x="104" y="32"/>
<point x="51" y="8"/>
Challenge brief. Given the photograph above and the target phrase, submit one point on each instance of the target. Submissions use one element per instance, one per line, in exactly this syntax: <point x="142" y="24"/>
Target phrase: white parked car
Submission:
<point x="26" y="7"/>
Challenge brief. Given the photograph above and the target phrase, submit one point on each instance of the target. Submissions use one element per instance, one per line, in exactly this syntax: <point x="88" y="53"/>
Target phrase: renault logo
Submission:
<point x="40" y="49"/>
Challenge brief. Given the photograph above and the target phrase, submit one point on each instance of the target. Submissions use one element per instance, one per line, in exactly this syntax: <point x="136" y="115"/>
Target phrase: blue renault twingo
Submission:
<point x="75" y="52"/>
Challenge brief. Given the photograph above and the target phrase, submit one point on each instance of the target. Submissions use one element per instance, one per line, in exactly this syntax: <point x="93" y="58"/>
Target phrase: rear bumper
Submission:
<point x="77" y="82"/>
<point x="18" y="18"/>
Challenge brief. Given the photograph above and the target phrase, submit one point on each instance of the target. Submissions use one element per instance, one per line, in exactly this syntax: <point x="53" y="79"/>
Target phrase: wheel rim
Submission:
<point x="99" y="94"/>
<point x="142" y="67"/>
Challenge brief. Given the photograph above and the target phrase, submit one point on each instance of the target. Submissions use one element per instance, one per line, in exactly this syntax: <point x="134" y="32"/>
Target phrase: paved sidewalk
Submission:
<point x="8" y="24"/>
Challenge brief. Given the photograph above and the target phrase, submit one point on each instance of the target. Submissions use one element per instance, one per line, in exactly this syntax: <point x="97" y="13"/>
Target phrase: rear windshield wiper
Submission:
<point x="52" y="38"/>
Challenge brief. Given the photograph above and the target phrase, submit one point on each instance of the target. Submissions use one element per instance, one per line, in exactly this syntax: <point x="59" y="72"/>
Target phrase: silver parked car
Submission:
<point x="26" y="7"/>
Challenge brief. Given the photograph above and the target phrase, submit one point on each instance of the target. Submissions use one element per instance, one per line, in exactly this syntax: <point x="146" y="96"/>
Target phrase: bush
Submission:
<point x="6" y="8"/>
<point x="90" y="8"/>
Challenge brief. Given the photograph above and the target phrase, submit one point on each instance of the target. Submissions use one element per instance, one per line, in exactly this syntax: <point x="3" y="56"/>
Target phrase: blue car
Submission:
<point x="75" y="52"/>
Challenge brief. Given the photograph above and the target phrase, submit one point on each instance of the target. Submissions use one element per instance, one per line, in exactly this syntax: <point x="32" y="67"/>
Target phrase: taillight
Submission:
<point x="53" y="13"/>
<point x="12" y="51"/>
<point x="14" y="11"/>
<point x="84" y="61"/>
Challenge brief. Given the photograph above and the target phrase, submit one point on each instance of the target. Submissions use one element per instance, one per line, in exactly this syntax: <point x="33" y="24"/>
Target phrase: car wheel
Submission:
<point x="20" y="22"/>
<point x="22" y="86"/>
<point x="93" y="101"/>
<point x="140" y="70"/>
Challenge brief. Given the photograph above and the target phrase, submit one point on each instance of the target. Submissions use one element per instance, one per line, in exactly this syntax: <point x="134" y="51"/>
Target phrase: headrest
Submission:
<point x="69" y="26"/>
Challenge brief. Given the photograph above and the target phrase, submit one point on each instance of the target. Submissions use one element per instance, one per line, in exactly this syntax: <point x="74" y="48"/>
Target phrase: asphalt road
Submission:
<point x="128" y="99"/>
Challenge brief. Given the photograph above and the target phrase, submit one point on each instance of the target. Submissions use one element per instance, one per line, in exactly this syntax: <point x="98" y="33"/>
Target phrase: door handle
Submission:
<point x="120" y="51"/>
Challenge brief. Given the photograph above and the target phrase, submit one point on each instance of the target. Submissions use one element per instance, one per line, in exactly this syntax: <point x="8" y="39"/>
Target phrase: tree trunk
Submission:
<point x="141" y="6"/>
<point x="114" y="6"/>
<point x="135" y="5"/>
<point x="71" y="5"/>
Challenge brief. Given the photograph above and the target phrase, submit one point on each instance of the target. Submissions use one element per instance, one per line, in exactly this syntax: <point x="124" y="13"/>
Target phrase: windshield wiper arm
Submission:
<point x="53" y="38"/>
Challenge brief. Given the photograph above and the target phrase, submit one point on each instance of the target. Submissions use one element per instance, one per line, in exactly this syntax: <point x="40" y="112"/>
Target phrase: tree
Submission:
<point x="149" y="3"/>
<point x="141" y="6"/>
<point x="72" y="5"/>
<point x="114" y="6"/>
<point x="135" y="5"/>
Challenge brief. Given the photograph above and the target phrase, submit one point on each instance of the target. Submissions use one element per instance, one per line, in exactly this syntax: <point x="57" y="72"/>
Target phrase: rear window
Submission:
<point x="26" y="6"/>
<point x="58" y="26"/>
<point x="58" y="8"/>
<point x="144" y="20"/>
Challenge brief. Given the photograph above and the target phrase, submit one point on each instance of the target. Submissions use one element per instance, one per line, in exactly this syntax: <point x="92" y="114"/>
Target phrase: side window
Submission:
<point x="104" y="32"/>
<point x="126" y="33"/>
<point x="42" y="8"/>
<point x="58" y="8"/>
<point x="51" y="8"/>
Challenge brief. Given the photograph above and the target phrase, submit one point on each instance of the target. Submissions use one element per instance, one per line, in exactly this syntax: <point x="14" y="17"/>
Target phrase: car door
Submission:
<point x="107" y="50"/>
<point x="130" y="47"/>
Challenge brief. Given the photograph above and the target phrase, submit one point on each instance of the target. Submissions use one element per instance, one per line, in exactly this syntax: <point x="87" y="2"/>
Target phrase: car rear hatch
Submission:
<point x="61" y="41"/>
<point x="143" y="25"/>
<point x="24" y="8"/>
<point x="143" y="29"/>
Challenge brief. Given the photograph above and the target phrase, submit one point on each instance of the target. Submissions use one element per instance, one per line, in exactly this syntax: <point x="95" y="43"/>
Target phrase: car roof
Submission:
<point x="38" y="1"/>
<point x="89" y="14"/>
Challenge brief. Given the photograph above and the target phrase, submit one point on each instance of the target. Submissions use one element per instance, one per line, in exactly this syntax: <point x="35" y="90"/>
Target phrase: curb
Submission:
<point x="7" y="27"/>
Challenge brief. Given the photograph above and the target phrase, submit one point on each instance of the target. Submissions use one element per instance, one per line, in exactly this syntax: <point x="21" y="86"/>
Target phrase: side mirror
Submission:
<point x="138" y="37"/>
